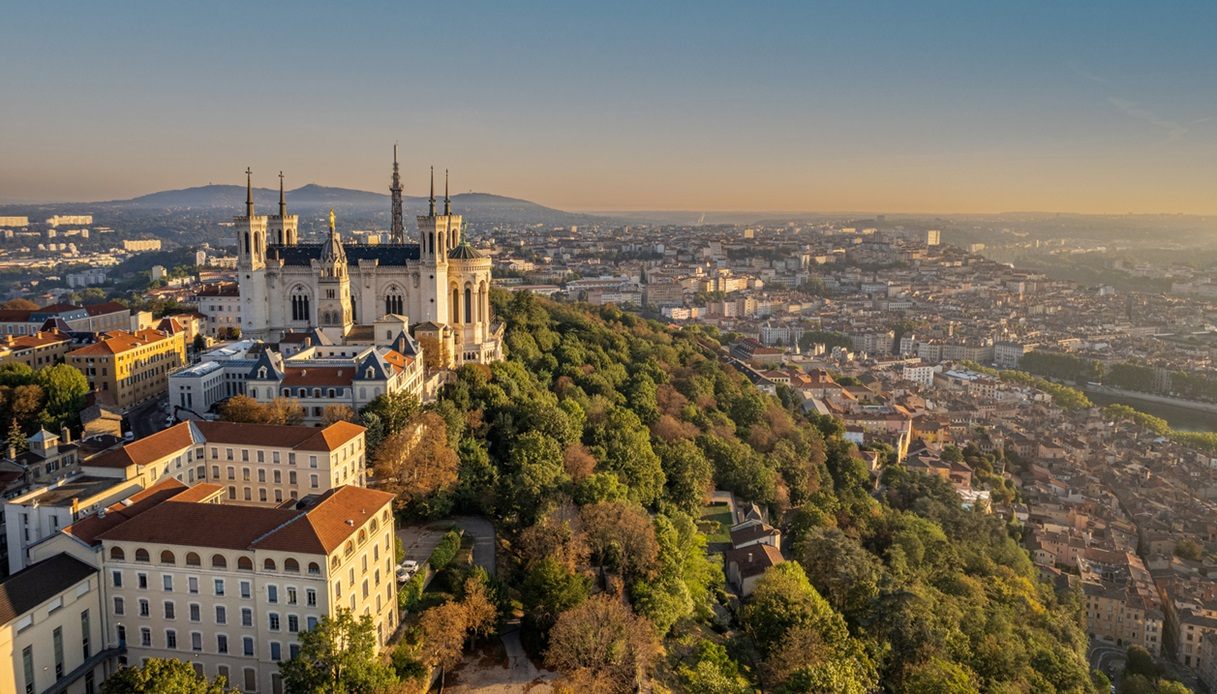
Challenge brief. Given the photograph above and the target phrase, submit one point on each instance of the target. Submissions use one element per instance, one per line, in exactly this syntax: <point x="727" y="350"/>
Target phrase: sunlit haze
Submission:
<point x="800" y="106"/>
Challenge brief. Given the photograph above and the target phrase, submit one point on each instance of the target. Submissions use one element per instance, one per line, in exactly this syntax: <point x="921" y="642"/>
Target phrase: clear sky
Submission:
<point x="914" y="106"/>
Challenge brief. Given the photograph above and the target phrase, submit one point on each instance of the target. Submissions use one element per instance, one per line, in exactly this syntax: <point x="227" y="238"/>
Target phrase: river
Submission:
<point x="1181" y="418"/>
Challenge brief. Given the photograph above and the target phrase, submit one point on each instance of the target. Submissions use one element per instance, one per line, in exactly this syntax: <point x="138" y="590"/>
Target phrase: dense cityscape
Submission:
<point x="608" y="348"/>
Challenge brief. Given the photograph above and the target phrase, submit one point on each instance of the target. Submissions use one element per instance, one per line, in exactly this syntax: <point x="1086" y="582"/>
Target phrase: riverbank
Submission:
<point x="1182" y="415"/>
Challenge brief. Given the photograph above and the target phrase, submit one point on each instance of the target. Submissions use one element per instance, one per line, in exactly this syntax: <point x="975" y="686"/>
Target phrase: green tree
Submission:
<point x="841" y="569"/>
<point x="939" y="676"/>
<point x="337" y="656"/>
<point x="549" y="588"/>
<point x="393" y="410"/>
<point x="784" y="599"/>
<point x="163" y="676"/>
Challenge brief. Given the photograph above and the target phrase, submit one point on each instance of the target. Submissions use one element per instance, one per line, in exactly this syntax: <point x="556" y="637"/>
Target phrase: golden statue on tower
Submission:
<point x="331" y="219"/>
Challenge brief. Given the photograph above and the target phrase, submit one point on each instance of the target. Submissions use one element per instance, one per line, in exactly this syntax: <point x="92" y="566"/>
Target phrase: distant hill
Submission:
<point x="227" y="200"/>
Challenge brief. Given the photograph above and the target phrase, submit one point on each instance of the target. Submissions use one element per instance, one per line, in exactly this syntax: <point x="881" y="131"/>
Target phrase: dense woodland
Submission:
<point x="593" y="447"/>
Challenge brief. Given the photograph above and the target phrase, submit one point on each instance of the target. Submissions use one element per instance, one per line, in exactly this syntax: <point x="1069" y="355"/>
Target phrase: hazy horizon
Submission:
<point x="933" y="108"/>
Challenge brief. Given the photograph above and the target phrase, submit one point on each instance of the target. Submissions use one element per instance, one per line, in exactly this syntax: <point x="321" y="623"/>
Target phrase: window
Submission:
<point x="169" y="609"/>
<point x="168" y="558"/>
<point x="312" y="481"/>
<point x="269" y="564"/>
<point x="221" y="643"/>
<point x="247" y="617"/>
<point x="141" y="580"/>
<point x="170" y="638"/>
<point x="144" y="609"/>
<point x="218" y="561"/>
<point x="311" y="621"/>
<point x="273" y="621"/>
<point x="192" y="559"/>
<point x="145" y="637"/>
<point x="219" y="587"/>
<point x="196" y="612"/>
<point x="57" y="641"/>
<point x="291" y="596"/>
<point x="293" y="623"/>
<point x="246" y="589"/>
<point x="251" y="678"/>
<point x="167" y="582"/>
<point x="27" y="666"/>
<point x="117" y="553"/>
<point x="141" y="554"/>
<point x="245" y="564"/>
<point x="84" y="634"/>
<point x="192" y="585"/>
<point x="310" y="597"/>
<point x="272" y="594"/>
<point x="247" y="645"/>
<point x="221" y="614"/>
<point x="196" y="641"/>
<point x="314" y="569"/>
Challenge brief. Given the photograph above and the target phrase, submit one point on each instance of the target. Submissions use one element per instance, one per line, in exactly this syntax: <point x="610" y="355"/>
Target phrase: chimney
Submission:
<point x="65" y="435"/>
<point x="12" y="452"/>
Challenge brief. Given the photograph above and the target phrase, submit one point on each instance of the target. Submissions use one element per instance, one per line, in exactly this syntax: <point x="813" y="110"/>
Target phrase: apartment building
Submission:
<point x="1122" y="605"/>
<point x="35" y="351"/>
<point x="51" y="629"/>
<point x="229" y="588"/>
<point x="253" y="463"/>
<point x="126" y="369"/>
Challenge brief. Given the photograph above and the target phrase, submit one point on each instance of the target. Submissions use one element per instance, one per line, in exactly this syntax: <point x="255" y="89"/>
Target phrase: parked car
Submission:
<point x="403" y="575"/>
<point x="409" y="565"/>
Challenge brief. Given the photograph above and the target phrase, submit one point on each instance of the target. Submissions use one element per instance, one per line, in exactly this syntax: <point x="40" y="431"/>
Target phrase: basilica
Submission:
<point x="438" y="285"/>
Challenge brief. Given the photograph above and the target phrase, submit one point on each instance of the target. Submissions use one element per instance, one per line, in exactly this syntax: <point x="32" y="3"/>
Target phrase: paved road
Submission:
<point x="147" y="419"/>
<point x="420" y="539"/>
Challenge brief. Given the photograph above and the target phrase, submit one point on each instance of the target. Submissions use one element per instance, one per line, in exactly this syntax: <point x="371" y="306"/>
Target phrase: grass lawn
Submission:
<point x="715" y="522"/>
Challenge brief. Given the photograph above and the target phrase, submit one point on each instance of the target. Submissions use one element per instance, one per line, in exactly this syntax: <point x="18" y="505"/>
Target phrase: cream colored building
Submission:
<point x="254" y="463"/>
<point x="229" y="588"/>
<point x="51" y="636"/>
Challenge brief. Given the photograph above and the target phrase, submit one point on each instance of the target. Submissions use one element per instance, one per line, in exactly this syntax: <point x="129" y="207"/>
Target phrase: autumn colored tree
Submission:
<point x="621" y="536"/>
<point x="443" y="629"/>
<point x="338" y="413"/>
<point x="605" y="638"/>
<point x="243" y="409"/>
<point x="19" y="304"/>
<point x="416" y="462"/>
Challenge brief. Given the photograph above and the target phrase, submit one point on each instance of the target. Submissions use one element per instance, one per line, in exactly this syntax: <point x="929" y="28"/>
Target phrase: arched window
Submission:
<point x="375" y="525"/>
<point x="141" y="554"/>
<point x="363" y="536"/>
<point x="291" y="565"/>
<point x="218" y="561"/>
<point x="245" y="564"/>
<point x="192" y="559"/>
<point x="468" y="304"/>
<point x="300" y="304"/>
<point x="454" y="309"/>
<point x="117" y="553"/>
<point x="349" y="549"/>
<point x="269" y="565"/>
<point x="393" y="300"/>
<point x="314" y="569"/>
<point x="168" y="558"/>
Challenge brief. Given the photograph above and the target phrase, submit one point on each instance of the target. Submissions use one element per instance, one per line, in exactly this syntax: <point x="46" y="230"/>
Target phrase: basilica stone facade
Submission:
<point x="440" y="284"/>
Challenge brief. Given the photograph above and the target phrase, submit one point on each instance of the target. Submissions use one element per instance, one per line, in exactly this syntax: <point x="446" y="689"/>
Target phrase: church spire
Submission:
<point x="397" y="231"/>
<point x="282" y="200"/>
<point x="447" y="202"/>
<point x="249" y="193"/>
<point x="432" y="191"/>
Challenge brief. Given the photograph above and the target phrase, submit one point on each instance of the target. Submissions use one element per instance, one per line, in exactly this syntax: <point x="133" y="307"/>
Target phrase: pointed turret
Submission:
<point x="447" y="201"/>
<point x="249" y="193"/>
<point x="397" y="227"/>
<point x="432" y="212"/>
<point x="333" y="256"/>
<point x="282" y="199"/>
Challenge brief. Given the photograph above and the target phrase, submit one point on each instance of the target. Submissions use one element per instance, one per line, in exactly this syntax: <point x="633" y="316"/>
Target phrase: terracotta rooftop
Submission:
<point x="319" y="530"/>
<point x="119" y="341"/>
<point x="87" y="529"/>
<point x="185" y="434"/>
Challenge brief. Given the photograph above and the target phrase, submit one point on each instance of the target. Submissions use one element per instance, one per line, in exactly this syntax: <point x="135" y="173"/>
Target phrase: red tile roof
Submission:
<point x="87" y="529"/>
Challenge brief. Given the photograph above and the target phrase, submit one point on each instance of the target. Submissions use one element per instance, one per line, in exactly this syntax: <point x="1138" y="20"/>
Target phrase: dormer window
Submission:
<point x="261" y="372"/>
<point x="371" y="373"/>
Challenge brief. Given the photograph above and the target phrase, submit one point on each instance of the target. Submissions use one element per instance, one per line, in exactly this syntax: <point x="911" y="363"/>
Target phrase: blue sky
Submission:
<point x="902" y="106"/>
